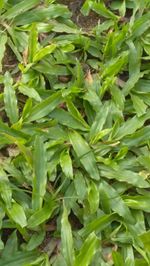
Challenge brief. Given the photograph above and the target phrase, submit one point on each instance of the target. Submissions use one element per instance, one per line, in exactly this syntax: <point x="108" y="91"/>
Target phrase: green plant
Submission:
<point x="74" y="135"/>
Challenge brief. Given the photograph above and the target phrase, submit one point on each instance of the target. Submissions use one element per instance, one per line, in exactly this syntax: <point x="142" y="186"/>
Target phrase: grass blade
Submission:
<point x="10" y="99"/>
<point x="87" y="251"/>
<point x="2" y="48"/>
<point x="67" y="240"/>
<point x="66" y="164"/>
<point x="40" y="173"/>
<point x="45" y="107"/>
<point x="85" y="154"/>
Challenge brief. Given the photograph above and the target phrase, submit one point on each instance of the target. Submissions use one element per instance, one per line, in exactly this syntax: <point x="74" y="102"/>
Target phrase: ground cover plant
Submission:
<point x="74" y="133"/>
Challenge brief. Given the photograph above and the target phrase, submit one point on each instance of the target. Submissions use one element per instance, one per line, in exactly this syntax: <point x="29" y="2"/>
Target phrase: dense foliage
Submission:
<point x="74" y="134"/>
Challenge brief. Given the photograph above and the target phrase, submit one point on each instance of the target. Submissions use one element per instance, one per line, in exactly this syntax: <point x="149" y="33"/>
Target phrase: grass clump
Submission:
<point x="74" y="133"/>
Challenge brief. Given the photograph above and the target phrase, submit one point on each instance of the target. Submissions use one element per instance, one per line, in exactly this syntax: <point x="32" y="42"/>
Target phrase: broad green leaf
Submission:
<point x="93" y="196"/>
<point x="99" y="121"/>
<point x="42" y="14"/>
<point x="20" y="8"/>
<point x="113" y="66"/>
<point x="10" y="99"/>
<point x="138" y="202"/>
<point x="66" y="164"/>
<point x="117" y="259"/>
<point x="80" y="185"/>
<point x="131" y="82"/>
<point x="51" y="69"/>
<point x="85" y="154"/>
<point x="103" y="11"/>
<point x="17" y="214"/>
<point x="67" y="239"/>
<point x="43" y="52"/>
<point x="20" y="258"/>
<point x="98" y="224"/>
<point x="139" y="105"/>
<point x="145" y="237"/>
<point x="11" y="246"/>
<point x="30" y="92"/>
<point x="122" y="175"/>
<point x="66" y="119"/>
<point x="7" y="131"/>
<point x="117" y="204"/>
<point x="75" y="113"/>
<point x="104" y="200"/>
<point x="2" y="48"/>
<point x="33" y="42"/>
<point x="129" y="127"/>
<point x="1" y="4"/>
<point x="128" y="255"/>
<point x="87" y="251"/>
<point x="140" y="25"/>
<point x="134" y="58"/>
<point x="100" y="135"/>
<point x="86" y="7"/>
<point x="117" y="97"/>
<point x="122" y="9"/>
<point x="35" y="240"/>
<point x="137" y="138"/>
<point x="6" y="192"/>
<point x="45" y="107"/>
<point x="40" y="173"/>
<point x="42" y="215"/>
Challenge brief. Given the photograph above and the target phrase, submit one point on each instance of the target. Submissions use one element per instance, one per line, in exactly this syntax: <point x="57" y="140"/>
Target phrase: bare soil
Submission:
<point x="85" y="22"/>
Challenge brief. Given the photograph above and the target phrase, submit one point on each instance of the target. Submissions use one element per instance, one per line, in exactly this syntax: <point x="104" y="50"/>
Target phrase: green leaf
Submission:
<point x="128" y="176"/>
<point x="42" y="14"/>
<point x="35" y="240"/>
<point x="87" y="251"/>
<point x="66" y="119"/>
<point x="103" y="11"/>
<point x="76" y="114"/>
<point x="114" y="66"/>
<point x="117" y="259"/>
<point x="42" y="215"/>
<point x="128" y="255"/>
<point x="17" y="214"/>
<point x="117" y="97"/>
<point x="129" y="127"/>
<point x="66" y="164"/>
<point x="93" y="196"/>
<point x="2" y="48"/>
<point x="85" y="154"/>
<point x="98" y="224"/>
<point x="117" y="204"/>
<point x="67" y="240"/>
<point x="80" y="185"/>
<point x="6" y="192"/>
<point x="139" y="105"/>
<point x="20" y="8"/>
<point x="43" y="52"/>
<point x="45" y="107"/>
<point x="99" y="121"/>
<point x="32" y="42"/>
<point x="10" y="99"/>
<point x="30" y="92"/>
<point x="11" y="246"/>
<point x="140" y="25"/>
<point x="138" y="202"/>
<point x="40" y="173"/>
<point x="20" y="258"/>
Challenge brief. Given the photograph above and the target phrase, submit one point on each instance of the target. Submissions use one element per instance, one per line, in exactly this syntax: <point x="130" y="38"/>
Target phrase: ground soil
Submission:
<point x="85" y="22"/>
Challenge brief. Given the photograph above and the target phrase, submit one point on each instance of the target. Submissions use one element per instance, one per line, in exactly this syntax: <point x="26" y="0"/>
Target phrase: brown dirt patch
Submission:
<point x="85" y="22"/>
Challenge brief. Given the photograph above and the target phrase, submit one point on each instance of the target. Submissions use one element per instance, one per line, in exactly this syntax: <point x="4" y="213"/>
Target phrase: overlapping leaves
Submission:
<point x="74" y="134"/>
